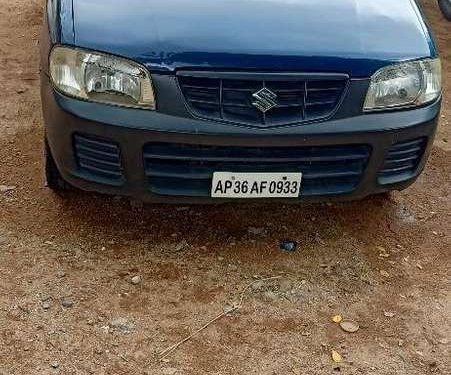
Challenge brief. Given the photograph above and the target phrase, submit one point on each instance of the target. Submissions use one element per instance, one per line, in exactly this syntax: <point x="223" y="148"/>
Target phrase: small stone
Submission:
<point x="349" y="326"/>
<point x="384" y="273"/>
<point x="55" y="364"/>
<point x="60" y="274"/>
<point x="419" y="266"/>
<point x="181" y="246"/>
<point x="46" y="305"/>
<point x="6" y="188"/>
<point x="169" y="371"/>
<point x="136" y="280"/>
<point x="67" y="302"/>
<point x="288" y="245"/>
<point x="220" y="258"/>
<point x="122" y="325"/>
<point x="389" y="314"/>
<point x="228" y="309"/>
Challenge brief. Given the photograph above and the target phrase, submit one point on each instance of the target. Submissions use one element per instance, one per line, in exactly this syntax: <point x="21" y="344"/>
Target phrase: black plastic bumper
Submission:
<point x="130" y="131"/>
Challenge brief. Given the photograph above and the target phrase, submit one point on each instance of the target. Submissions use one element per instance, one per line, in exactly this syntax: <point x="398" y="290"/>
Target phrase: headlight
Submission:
<point x="405" y="84"/>
<point x="101" y="78"/>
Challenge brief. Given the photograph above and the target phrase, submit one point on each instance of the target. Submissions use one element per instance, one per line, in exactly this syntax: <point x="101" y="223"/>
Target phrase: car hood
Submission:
<point x="351" y="36"/>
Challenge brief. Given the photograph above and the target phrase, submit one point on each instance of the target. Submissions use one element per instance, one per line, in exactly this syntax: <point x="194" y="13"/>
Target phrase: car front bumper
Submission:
<point x="125" y="136"/>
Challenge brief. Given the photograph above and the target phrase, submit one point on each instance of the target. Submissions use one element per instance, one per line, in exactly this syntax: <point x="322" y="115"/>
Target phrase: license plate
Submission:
<point x="256" y="185"/>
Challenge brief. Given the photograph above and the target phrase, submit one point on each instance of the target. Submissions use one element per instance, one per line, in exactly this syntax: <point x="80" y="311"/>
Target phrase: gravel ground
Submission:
<point x="100" y="285"/>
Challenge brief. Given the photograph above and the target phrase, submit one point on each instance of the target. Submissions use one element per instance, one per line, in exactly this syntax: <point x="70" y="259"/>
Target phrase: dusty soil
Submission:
<point x="68" y="304"/>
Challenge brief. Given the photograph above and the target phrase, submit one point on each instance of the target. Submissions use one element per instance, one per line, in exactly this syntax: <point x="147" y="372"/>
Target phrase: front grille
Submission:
<point x="301" y="98"/>
<point x="402" y="161"/>
<point x="187" y="170"/>
<point x="98" y="159"/>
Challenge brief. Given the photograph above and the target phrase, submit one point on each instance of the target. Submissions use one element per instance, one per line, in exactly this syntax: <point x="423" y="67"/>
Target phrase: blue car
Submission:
<point x="215" y="101"/>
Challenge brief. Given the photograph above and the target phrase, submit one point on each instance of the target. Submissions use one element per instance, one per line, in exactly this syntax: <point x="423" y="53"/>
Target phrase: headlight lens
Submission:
<point x="405" y="84"/>
<point x="101" y="78"/>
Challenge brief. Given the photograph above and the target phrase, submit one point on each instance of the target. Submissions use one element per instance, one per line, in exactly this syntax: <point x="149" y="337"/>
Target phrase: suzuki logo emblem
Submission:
<point x="265" y="100"/>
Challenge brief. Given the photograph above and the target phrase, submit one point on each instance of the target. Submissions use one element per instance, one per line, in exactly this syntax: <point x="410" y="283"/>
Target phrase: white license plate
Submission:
<point x="256" y="185"/>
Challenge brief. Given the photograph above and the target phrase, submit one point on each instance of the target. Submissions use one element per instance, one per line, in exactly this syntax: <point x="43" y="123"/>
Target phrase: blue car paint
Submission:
<point x="356" y="37"/>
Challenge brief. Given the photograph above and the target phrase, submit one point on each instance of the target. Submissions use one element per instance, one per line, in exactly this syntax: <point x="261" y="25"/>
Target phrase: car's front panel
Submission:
<point x="172" y="156"/>
<point x="261" y="111"/>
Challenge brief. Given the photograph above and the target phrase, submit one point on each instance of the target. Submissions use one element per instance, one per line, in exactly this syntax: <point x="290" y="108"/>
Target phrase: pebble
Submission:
<point x="349" y="326"/>
<point x="384" y="273"/>
<point x="6" y="188"/>
<point x="136" y="280"/>
<point x="181" y="246"/>
<point x="228" y="309"/>
<point x="122" y="325"/>
<point x="288" y="245"/>
<point x="55" y="364"/>
<point x="67" y="302"/>
<point x="169" y="371"/>
<point x="46" y="305"/>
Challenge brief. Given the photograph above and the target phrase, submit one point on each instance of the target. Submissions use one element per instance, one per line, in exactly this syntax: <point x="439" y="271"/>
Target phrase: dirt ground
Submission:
<point x="69" y="302"/>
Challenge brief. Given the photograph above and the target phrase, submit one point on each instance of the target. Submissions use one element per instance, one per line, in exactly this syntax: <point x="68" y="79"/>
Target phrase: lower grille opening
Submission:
<point x="98" y="159"/>
<point x="187" y="170"/>
<point x="402" y="161"/>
